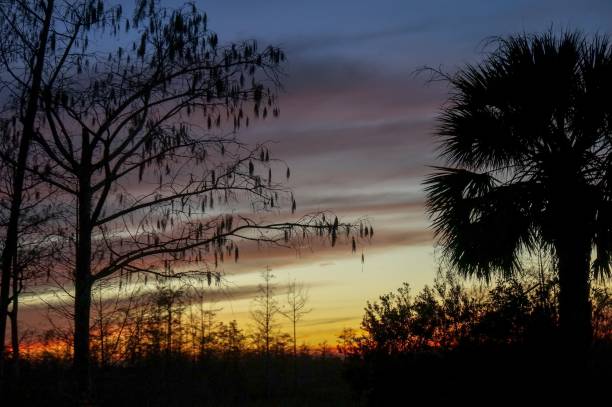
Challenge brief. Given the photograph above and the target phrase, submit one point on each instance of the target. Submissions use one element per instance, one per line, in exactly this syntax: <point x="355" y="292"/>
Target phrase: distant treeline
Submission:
<point x="169" y="321"/>
<point x="500" y="338"/>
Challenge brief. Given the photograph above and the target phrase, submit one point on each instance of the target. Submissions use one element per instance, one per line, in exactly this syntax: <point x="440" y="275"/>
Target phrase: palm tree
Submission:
<point x="527" y="141"/>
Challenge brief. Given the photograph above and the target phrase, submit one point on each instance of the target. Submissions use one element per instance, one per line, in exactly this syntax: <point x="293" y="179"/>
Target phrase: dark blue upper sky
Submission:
<point x="371" y="28"/>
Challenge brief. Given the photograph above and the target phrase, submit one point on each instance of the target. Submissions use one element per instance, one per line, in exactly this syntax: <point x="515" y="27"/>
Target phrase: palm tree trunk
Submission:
<point x="574" y="304"/>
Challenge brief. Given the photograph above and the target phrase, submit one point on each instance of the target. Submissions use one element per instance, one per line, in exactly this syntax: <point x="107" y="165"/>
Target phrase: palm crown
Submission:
<point x="527" y="137"/>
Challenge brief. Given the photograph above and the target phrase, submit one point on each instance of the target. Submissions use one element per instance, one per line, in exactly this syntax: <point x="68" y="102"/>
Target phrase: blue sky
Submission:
<point x="357" y="124"/>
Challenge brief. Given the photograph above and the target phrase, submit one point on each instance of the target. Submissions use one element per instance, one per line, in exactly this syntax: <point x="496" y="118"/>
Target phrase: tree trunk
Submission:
<point x="14" y="318"/>
<point x="15" y="339"/>
<point x="573" y="217"/>
<point x="573" y="257"/>
<point x="83" y="277"/>
<point x="294" y="334"/>
<point x="295" y="380"/>
<point x="574" y="303"/>
<point x="10" y="248"/>
<point x="82" y="303"/>
<point x="102" y="330"/>
<point x="169" y="331"/>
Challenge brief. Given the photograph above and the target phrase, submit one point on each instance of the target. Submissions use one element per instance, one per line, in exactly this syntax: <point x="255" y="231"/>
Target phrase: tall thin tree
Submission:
<point x="39" y="41"/>
<point x="297" y="300"/>
<point x="142" y="143"/>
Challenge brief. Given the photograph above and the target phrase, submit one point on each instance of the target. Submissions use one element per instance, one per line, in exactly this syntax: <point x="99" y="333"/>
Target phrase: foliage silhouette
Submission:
<point x="451" y="337"/>
<point x="430" y="345"/>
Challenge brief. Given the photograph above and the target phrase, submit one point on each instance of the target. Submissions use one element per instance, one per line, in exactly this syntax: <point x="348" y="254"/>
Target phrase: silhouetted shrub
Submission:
<point x="450" y="338"/>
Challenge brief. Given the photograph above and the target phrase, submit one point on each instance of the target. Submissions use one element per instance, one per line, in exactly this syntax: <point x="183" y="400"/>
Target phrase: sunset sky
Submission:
<point x="356" y="128"/>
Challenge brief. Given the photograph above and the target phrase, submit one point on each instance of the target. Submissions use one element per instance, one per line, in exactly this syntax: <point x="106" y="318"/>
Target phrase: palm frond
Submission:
<point x="482" y="225"/>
